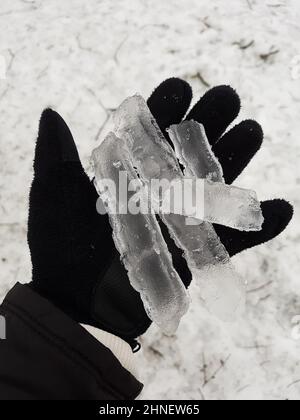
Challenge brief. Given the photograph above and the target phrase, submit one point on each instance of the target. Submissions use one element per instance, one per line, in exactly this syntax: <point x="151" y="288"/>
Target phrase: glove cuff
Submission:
<point x="120" y="348"/>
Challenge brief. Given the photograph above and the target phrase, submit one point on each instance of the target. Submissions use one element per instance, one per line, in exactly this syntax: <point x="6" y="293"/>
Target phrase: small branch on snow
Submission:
<point x="156" y="352"/>
<point x="83" y="48"/>
<point x="293" y="384"/>
<point x="201" y="79"/>
<point x="204" y="368"/>
<point x="13" y="224"/>
<point x="263" y="299"/>
<point x="249" y="4"/>
<point x="42" y="72"/>
<point x="116" y="54"/>
<point x="256" y="347"/>
<point x="243" y="46"/>
<point x="108" y="112"/>
<point x="257" y="289"/>
<point x="217" y="371"/>
<point x="205" y="22"/>
<point x="4" y="93"/>
<point x="271" y="53"/>
<point x="276" y="6"/>
<point x="12" y="58"/>
<point x="202" y="394"/>
<point x="239" y="391"/>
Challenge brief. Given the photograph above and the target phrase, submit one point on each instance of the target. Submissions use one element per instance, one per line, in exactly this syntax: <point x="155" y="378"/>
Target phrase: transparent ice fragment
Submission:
<point x="203" y="250"/>
<point x="152" y="155"/>
<point x="155" y="159"/>
<point x="194" y="151"/>
<point x="231" y="206"/>
<point x="226" y="205"/>
<point x="215" y="202"/>
<point x="139" y="240"/>
<point x="222" y="288"/>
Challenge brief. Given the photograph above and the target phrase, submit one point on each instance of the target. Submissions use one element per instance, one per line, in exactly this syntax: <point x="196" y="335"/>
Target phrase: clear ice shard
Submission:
<point x="139" y="240"/>
<point x="216" y="202"/>
<point x="223" y="204"/>
<point x="194" y="151"/>
<point x="222" y="289"/>
<point x="228" y="205"/>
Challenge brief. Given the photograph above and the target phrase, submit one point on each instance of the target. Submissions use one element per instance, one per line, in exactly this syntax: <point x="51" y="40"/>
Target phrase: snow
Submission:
<point x="84" y="58"/>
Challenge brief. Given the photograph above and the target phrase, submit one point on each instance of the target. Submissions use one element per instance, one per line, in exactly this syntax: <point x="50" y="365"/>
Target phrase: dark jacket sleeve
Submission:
<point x="48" y="356"/>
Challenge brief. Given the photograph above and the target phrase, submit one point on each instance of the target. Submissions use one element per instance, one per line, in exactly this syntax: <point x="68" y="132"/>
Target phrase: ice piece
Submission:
<point x="139" y="240"/>
<point x="216" y="202"/>
<point x="222" y="288"/>
<point x="203" y="250"/>
<point x="150" y="152"/>
<point x="155" y="159"/>
<point x="230" y="206"/>
<point x="194" y="151"/>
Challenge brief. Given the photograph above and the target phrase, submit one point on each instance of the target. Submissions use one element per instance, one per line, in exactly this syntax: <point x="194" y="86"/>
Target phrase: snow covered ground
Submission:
<point x="84" y="58"/>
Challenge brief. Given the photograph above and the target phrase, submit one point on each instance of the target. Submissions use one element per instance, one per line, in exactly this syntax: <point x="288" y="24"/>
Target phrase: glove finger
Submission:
<point x="55" y="145"/>
<point x="216" y="110"/>
<point x="170" y="102"/>
<point x="237" y="148"/>
<point x="277" y="213"/>
<point x="62" y="212"/>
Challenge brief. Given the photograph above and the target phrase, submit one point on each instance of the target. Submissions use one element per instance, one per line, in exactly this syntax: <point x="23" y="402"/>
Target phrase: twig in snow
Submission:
<point x="202" y="395"/>
<point x="83" y="48"/>
<point x="12" y="58"/>
<point x="4" y="93"/>
<point x="243" y="46"/>
<point x="249" y="4"/>
<point x="265" y="57"/>
<point x="263" y="299"/>
<point x="256" y="346"/>
<point x="275" y="6"/>
<point x="116" y="54"/>
<point x="204" y="368"/>
<point x="293" y="384"/>
<point x="99" y="132"/>
<point x="202" y="80"/>
<point x="257" y="289"/>
<point x="156" y="352"/>
<point x="239" y="391"/>
<point x="42" y="73"/>
<point x="13" y="224"/>
<point x="206" y="23"/>
<point x="217" y="371"/>
<point x="108" y="112"/>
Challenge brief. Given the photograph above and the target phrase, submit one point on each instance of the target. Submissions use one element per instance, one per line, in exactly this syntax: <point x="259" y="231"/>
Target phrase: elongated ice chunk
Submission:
<point x="215" y="202"/>
<point x="230" y="206"/>
<point x="150" y="152"/>
<point x="138" y="238"/>
<point x="155" y="159"/>
<point x="223" y="289"/>
<point x="194" y="151"/>
<point x="207" y="258"/>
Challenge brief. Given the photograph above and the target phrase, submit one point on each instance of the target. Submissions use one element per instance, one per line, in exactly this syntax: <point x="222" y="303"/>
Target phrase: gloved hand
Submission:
<point x="75" y="263"/>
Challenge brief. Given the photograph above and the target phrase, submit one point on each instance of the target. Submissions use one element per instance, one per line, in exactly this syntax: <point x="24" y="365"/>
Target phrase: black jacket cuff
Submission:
<point x="46" y="355"/>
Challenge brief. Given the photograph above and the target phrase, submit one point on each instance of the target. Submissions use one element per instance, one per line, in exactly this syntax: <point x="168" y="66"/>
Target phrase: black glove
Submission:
<point x="75" y="263"/>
